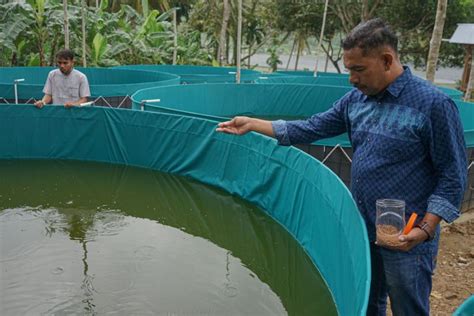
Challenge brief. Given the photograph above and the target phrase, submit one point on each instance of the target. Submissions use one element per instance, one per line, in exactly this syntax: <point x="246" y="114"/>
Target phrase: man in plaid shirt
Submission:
<point x="408" y="144"/>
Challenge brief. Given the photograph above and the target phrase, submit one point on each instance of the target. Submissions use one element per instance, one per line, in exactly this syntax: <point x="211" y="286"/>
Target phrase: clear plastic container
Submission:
<point x="390" y="221"/>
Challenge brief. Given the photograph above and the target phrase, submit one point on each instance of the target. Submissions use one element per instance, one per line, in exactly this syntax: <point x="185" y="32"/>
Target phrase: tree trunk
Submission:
<point x="227" y="49"/>
<point x="250" y="55"/>
<point x="364" y="12"/>
<point x="145" y="8"/>
<point x="466" y="67"/>
<point x="436" y="37"/>
<point x="84" y="55"/>
<point x="14" y="59"/>
<point x="321" y="36"/>
<point x="222" y="39"/>
<point x="175" y="37"/>
<point x="470" y="82"/>
<point x="298" y="52"/>
<point x="336" y="65"/>
<point x="239" y="41"/>
<point x="330" y="54"/>
<point x="41" y="49"/>
<point x="54" y="46"/>
<point x="66" y="25"/>
<point x="291" y="54"/>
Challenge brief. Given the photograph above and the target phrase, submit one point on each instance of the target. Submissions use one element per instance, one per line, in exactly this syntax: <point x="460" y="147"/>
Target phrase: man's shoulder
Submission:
<point x="424" y="96"/>
<point x="54" y="72"/>
<point x="427" y="91"/>
<point x="78" y="74"/>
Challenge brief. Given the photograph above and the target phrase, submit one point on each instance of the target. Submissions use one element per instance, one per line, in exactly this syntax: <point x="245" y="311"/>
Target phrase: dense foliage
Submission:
<point x="141" y="31"/>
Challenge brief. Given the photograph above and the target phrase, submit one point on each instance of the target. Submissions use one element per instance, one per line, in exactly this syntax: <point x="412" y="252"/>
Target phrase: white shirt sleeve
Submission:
<point x="84" y="90"/>
<point x="48" y="86"/>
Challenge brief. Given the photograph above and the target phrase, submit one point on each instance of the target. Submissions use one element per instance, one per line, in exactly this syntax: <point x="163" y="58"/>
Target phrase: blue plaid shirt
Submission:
<point x="407" y="142"/>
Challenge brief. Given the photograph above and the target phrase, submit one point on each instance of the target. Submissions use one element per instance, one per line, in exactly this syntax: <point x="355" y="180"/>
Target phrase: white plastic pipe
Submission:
<point x="142" y="104"/>
<point x="15" y="85"/>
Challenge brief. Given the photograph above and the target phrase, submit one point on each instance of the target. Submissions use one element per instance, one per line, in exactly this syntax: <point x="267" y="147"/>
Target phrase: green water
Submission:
<point x="89" y="238"/>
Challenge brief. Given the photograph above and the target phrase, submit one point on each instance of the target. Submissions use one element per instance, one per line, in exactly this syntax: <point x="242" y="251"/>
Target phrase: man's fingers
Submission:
<point x="226" y="130"/>
<point x="403" y="238"/>
<point x="225" y="124"/>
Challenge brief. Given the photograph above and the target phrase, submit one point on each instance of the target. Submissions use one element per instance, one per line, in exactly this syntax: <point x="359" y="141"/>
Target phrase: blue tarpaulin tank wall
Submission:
<point x="292" y="187"/>
<point x="106" y="84"/>
<point x="222" y="101"/>
<point x="327" y="78"/>
<point x="466" y="308"/>
<point x="200" y="74"/>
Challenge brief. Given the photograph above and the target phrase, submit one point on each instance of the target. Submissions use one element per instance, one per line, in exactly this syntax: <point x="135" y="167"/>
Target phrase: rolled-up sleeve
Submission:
<point x="448" y="153"/>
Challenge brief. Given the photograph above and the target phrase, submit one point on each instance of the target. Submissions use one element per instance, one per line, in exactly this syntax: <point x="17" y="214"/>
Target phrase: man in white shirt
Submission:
<point x="65" y="85"/>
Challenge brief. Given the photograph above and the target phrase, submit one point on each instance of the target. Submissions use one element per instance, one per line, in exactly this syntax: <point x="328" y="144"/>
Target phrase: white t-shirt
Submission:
<point x="68" y="88"/>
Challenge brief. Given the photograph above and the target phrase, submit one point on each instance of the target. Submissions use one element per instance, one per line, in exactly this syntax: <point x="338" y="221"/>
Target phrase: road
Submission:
<point x="444" y="75"/>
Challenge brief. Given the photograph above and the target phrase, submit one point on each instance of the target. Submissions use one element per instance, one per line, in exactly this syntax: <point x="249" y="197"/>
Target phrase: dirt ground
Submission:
<point x="453" y="281"/>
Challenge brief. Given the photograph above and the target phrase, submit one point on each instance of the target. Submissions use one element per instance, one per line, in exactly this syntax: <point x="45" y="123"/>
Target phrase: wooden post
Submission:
<point x="84" y="54"/>
<point x="470" y="82"/>
<point x="66" y="25"/>
<point x="239" y="42"/>
<point x="321" y="35"/>
<point x="222" y="50"/>
<point x="435" y="42"/>
<point x="175" y="37"/>
<point x="466" y="67"/>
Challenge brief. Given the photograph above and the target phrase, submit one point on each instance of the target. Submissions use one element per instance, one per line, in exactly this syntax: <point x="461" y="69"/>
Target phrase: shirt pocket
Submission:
<point x="72" y="92"/>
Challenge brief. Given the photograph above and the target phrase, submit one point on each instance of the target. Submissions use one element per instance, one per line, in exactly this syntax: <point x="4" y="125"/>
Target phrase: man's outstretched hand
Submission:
<point x="239" y="125"/>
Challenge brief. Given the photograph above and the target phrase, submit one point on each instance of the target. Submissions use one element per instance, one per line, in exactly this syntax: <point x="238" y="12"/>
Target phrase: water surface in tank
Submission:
<point x="93" y="238"/>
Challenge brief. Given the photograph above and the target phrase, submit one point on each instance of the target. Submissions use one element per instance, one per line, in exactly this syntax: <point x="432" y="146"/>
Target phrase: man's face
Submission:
<point x="366" y="73"/>
<point x="65" y="65"/>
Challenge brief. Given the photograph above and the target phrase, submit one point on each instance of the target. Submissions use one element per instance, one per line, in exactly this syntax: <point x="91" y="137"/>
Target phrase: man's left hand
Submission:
<point x="69" y="104"/>
<point x="413" y="238"/>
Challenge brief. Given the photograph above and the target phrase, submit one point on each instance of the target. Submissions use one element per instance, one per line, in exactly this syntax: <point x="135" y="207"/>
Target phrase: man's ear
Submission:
<point x="388" y="59"/>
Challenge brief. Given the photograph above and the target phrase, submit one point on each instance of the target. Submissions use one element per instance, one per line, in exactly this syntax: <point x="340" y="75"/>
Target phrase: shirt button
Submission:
<point x="357" y="180"/>
<point x="360" y="202"/>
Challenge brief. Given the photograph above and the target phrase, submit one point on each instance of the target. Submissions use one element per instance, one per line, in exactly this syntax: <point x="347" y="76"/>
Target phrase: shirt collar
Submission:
<point x="396" y="87"/>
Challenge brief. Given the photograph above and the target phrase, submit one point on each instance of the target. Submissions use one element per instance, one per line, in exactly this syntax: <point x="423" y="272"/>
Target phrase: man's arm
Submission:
<point x="45" y="100"/>
<point x="445" y="139"/>
<point x="48" y="92"/>
<point x="321" y="125"/>
<point x="75" y="103"/>
<point x="448" y="154"/>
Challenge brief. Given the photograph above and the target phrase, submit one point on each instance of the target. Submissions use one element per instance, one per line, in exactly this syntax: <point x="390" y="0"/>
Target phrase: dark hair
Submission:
<point x="65" y="54"/>
<point x="370" y="35"/>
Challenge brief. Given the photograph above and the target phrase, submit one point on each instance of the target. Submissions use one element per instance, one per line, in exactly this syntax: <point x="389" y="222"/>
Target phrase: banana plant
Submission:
<point x="11" y="26"/>
<point x="146" y="39"/>
<point x="103" y="53"/>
